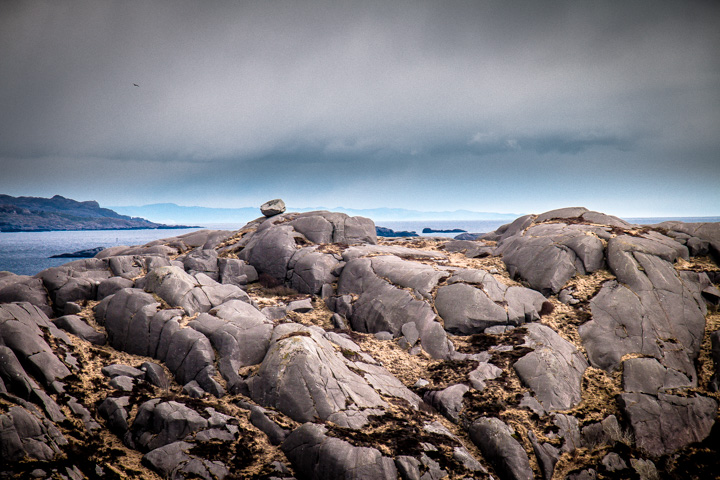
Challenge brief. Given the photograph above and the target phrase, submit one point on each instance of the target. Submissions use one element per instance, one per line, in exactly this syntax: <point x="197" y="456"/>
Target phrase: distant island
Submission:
<point x="36" y="214"/>
<point x="390" y="233"/>
<point x="454" y="230"/>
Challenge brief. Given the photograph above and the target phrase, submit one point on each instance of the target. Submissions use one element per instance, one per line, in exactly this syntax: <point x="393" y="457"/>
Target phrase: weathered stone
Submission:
<point x="410" y="331"/>
<point x="586" y="474"/>
<point x="333" y="227"/>
<point x="647" y="375"/>
<point x="569" y="431"/>
<point x="318" y="456"/>
<point x="22" y="288"/>
<point x="74" y="281"/>
<point x="381" y="306"/>
<point x="276" y="434"/>
<point x="547" y="255"/>
<point x="706" y="231"/>
<point x="275" y="312"/>
<point x="408" y="467"/>
<point x="176" y="461"/>
<point x="122" y="383"/>
<point x="77" y="326"/>
<point x="360" y="251"/>
<point x="300" y="306"/>
<point x="202" y="261"/>
<point x="553" y="370"/>
<point x="193" y="389"/>
<point x="467" y="310"/>
<point x="272" y="207"/>
<point x="160" y="423"/>
<point x="310" y="270"/>
<point x="236" y="272"/>
<point x="339" y="321"/>
<point x="117" y="370"/>
<point x="13" y="376"/>
<point x="496" y="443"/>
<point x="471" y="249"/>
<point x="304" y="377"/>
<point x="462" y="455"/>
<point x="510" y="229"/>
<point x="601" y="433"/>
<point x="474" y="300"/>
<point x="539" y="259"/>
<point x="194" y="294"/>
<point x="449" y="401"/>
<point x="484" y="371"/>
<point x="20" y="330"/>
<point x="134" y="325"/>
<point x="126" y="267"/>
<point x="384" y="336"/>
<point x="114" y="409"/>
<point x="269" y="250"/>
<point x="651" y="309"/>
<point x="191" y="357"/>
<point x="546" y="454"/>
<point x="715" y="352"/>
<point x="384" y="382"/>
<point x="239" y="332"/>
<point x="419" y="277"/>
<point x="666" y="423"/>
<point x="23" y="434"/>
<point x="155" y="375"/>
<point x="112" y="285"/>
<point x="613" y="462"/>
<point x="127" y="316"/>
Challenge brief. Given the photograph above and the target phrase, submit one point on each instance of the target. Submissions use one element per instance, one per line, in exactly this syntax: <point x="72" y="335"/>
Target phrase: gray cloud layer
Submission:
<point x="364" y="103"/>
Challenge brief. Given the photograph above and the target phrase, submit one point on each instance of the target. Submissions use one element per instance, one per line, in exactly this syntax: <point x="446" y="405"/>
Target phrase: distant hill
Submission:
<point x="28" y="214"/>
<point x="172" y="213"/>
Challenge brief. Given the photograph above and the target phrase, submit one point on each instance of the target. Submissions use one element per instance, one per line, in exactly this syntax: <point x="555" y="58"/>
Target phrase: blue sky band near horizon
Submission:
<point x="485" y="106"/>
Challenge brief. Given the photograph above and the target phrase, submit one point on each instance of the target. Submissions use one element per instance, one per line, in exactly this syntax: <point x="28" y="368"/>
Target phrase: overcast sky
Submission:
<point x="481" y="105"/>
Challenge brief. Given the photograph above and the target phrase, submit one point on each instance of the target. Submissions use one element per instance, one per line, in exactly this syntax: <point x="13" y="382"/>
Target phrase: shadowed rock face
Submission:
<point x="495" y="440"/>
<point x="554" y="370"/>
<point x="21" y="288"/>
<point x="321" y="457"/>
<point x="392" y="293"/>
<point x="548" y="255"/>
<point x="304" y="377"/>
<point x="174" y="349"/>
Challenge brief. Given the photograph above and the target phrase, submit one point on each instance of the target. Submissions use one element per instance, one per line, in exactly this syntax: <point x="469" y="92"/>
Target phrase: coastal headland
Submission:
<point x="567" y="344"/>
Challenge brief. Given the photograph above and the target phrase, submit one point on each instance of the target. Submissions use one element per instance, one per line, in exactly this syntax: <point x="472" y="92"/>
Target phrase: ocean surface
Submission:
<point x="26" y="253"/>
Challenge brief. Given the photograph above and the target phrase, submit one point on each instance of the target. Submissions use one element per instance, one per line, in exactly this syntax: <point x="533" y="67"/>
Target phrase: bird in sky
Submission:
<point x="136" y="84"/>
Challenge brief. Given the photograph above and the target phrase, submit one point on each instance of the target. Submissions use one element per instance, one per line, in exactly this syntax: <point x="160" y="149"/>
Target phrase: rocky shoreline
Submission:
<point x="569" y="344"/>
<point x="35" y="214"/>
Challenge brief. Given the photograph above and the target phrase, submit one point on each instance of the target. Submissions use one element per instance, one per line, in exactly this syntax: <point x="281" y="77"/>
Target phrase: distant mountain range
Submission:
<point x="33" y="214"/>
<point x="172" y="213"/>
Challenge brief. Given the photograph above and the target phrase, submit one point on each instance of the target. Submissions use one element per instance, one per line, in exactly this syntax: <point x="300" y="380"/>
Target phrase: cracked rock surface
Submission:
<point x="568" y="344"/>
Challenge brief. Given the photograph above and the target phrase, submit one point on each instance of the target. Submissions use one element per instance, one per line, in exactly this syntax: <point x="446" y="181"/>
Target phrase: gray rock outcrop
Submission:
<point x="315" y="455"/>
<point x="495" y="441"/>
<point x="554" y="370"/>
<point x="304" y="377"/>
<point x="22" y="288"/>
<point x="193" y="293"/>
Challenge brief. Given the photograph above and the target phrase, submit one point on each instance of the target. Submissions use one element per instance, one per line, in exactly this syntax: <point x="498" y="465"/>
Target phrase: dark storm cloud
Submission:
<point x="245" y="91"/>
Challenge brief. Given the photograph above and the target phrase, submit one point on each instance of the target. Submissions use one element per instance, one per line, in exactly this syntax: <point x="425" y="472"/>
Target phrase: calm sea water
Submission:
<point x="26" y="253"/>
<point x="473" y="226"/>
